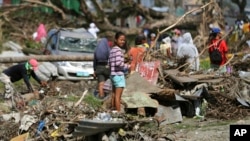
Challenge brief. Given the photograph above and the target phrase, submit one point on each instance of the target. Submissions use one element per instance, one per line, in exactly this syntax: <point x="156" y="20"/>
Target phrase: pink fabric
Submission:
<point x="41" y="32"/>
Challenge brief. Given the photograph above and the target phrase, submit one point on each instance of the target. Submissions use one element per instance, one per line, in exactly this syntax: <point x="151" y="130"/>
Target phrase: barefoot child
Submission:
<point x="117" y="66"/>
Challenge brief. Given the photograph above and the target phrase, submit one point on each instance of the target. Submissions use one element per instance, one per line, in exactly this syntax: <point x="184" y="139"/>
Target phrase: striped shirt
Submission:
<point x="116" y="61"/>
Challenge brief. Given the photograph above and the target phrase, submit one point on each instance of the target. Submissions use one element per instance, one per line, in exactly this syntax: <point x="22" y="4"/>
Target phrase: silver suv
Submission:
<point x="72" y="42"/>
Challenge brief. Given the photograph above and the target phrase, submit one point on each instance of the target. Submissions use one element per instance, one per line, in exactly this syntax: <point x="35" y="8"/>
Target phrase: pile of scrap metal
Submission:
<point x="211" y="94"/>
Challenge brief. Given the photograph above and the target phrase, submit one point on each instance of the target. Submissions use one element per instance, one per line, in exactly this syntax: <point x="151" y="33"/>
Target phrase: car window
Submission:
<point x="72" y="44"/>
<point x="51" y="40"/>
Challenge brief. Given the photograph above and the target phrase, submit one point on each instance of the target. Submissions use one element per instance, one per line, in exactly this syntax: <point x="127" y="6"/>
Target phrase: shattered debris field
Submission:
<point x="61" y="108"/>
<point x="167" y="98"/>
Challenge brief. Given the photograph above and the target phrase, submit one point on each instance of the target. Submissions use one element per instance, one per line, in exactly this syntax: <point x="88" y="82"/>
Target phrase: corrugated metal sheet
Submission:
<point x="88" y="127"/>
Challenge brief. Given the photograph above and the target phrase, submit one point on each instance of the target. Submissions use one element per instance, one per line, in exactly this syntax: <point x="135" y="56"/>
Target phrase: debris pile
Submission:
<point x="226" y="109"/>
<point x="65" y="112"/>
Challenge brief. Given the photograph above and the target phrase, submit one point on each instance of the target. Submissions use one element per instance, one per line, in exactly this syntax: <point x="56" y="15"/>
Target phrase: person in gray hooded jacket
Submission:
<point x="188" y="50"/>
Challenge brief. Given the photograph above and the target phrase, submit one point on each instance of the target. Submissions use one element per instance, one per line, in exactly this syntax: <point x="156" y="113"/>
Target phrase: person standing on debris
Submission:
<point x="217" y="43"/>
<point x="189" y="52"/>
<point x="93" y="29"/>
<point x="117" y="67"/>
<point x="18" y="72"/>
<point x="166" y="49"/>
<point x="176" y="40"/>
<point x="136" y="53"/>
<point x="40" y="34"/>
<point x="101" y="68"/>
<point x="152" y="41"/>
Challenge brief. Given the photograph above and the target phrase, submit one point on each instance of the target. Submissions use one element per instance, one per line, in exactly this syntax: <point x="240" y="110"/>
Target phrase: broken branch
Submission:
<point x="80" y="100"/>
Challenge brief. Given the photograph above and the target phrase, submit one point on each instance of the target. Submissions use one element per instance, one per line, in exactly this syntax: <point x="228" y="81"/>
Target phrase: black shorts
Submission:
<point x="102" y="72"/>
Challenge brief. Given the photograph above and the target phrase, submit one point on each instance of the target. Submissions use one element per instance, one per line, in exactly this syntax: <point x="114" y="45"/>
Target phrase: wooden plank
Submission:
<point x="203" y="76"/>
<point x="183" y="79"/>
<point x="217" y="80"/>
<point x="173" y="74"/>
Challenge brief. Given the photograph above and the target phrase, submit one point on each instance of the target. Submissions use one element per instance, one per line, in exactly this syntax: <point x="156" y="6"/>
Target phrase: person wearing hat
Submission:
<point x="18" y="72"/>
<point x="176" y="40"/>
<point x="152" y="40"/>
<point x="217" y="43"/>
<point x="166" y="48"/>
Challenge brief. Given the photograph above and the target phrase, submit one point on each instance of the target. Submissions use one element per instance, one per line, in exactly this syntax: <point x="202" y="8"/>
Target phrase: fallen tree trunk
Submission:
<point x="45" y="58"/>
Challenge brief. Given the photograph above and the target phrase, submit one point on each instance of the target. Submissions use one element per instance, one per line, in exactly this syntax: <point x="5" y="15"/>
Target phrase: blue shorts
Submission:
<point x="118" y="81"/>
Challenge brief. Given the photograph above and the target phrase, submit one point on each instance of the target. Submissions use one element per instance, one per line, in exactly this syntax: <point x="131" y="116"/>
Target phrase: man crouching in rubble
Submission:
<point x="18" y="72"/>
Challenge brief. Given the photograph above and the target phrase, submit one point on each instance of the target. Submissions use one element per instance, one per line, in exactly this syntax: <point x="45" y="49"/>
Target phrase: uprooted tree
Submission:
<point x="20" y="21"/>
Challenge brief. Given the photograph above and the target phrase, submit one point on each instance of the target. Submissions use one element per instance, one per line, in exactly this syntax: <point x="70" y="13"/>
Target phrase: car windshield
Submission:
<point x="77" y="44"/>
